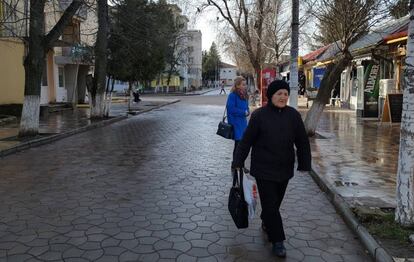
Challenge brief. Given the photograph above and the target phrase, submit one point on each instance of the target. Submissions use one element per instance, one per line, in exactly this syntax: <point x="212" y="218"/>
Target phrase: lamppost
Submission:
<point x="294" y="50"/>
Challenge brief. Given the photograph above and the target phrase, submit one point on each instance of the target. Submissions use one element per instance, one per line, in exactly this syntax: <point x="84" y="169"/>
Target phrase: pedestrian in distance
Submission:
<point x="272" y="133"/>
<point x="222" y="88"/>
<point x="238" y="110"/>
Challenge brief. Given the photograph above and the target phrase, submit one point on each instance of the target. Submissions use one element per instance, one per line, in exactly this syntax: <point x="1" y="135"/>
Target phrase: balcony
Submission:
<point x="76" y="54"/>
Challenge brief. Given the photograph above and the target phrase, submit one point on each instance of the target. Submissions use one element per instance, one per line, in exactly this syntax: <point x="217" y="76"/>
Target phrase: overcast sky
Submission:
<point x="207" y="23"/>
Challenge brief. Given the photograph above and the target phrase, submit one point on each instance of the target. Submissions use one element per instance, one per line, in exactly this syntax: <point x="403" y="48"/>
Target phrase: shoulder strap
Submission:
<point x="224" y="113"/>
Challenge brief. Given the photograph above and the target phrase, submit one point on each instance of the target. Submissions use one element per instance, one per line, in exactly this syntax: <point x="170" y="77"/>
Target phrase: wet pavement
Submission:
<point x="153" y="187"/>
<point x="359" y="157"/>
<point x="60" y="122"/>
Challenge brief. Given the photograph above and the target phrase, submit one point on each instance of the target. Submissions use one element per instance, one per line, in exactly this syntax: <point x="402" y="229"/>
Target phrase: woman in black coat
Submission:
<point x="272" y="133"/>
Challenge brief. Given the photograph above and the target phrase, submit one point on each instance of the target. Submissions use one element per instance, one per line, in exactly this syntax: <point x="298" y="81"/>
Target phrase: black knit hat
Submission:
<point x="276" y="86"/>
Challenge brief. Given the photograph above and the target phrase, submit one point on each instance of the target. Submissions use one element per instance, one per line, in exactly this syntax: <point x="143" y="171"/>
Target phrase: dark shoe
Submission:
<point x="278" y="249"/>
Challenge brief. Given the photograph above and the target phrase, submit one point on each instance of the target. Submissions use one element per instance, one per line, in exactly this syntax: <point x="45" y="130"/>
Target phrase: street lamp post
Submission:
<point x="294" y="50"/>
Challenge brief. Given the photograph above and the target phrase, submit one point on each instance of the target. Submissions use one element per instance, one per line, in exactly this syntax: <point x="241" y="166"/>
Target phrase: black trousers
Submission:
<point x="235" y="147"/>
<point x="271" y="195"/>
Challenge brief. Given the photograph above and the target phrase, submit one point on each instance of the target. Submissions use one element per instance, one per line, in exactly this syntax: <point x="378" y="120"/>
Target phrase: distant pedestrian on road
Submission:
<point x="272" y="133"/>
<point x="222" y="88"/>
<point x="238" y="110"/>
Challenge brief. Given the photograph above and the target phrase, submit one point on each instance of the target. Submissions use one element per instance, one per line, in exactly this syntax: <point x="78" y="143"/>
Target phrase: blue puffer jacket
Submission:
<point x="236" y="113"/>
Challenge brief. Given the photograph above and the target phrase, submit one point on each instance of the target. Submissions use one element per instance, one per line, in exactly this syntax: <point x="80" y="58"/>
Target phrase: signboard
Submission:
<point x="371" y="90"/>
<point x="393" y="108"/>
<point x="318" y="74"/>
<point x="395" y="102"/>
<point x="268" y="76"/>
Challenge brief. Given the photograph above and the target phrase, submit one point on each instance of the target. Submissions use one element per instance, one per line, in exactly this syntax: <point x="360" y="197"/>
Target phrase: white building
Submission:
<point x="228" y="73"/>
<point x="194" y="58"/>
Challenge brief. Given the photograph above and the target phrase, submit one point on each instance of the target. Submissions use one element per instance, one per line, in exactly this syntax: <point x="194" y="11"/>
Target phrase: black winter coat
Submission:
<point x="272" y="133"/>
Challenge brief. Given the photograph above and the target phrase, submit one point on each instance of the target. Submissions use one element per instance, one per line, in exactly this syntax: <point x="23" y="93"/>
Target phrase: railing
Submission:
<point x="79" y="53"/>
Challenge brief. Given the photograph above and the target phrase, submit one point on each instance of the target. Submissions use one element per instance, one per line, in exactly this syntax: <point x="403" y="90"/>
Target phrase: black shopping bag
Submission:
<point x="237" y="205"/>
<point x="224" y="128"/>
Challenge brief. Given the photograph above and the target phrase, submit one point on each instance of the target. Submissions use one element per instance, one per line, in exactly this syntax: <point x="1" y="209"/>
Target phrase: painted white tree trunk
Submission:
<point x="29" y="124"/>
<point x="108" y="109"/>
<point x="294" y="50"/>
<point x="96" y="105"/>
<point x="313" y="116"/>
<point x="404" y="213"/>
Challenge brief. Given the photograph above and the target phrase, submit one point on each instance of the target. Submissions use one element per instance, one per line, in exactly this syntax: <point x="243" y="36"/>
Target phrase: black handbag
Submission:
<point x="237" y="205"/>
<point x="224" y="128"/>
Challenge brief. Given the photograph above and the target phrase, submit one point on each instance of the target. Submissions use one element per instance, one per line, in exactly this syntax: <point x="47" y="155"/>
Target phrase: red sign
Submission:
<point x="267" y="76"/>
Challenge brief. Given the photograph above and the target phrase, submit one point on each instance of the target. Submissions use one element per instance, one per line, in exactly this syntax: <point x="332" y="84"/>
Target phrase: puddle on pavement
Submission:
<point x="346" y="184"/>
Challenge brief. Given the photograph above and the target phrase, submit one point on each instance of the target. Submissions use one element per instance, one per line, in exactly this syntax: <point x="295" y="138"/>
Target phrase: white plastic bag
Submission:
<point x="250" y="194"/>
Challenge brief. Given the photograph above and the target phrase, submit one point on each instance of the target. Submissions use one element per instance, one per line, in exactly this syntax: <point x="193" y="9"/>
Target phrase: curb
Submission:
<point x="377" y="252"/>
<point x="180" y="94"/>
<point x="53" y="138"/>
<point x="155" y="107"/>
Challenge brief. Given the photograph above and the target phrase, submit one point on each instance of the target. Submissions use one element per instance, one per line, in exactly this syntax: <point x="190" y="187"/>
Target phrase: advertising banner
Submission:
<point x="371" y="90"/>
<point x="318" y="74"/>
<point x="268" y="76"/>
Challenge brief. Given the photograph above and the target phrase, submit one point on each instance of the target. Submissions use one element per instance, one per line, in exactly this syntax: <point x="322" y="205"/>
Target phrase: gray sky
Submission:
<point x="207" y="23"/>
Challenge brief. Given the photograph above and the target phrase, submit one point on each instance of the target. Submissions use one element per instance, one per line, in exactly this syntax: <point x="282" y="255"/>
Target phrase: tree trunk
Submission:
<point x="294" y="50"/>
<point x="109" y="102"/>
<point x="404" y="213"/>
<point x="169" y="75"/>
<point x="34" y="62"/>
<point x="97" y="94"/>
<point x="106" y="103"/>
<point x="332" y="75"/>
<point x="33" y="66"/>
<point x="130" y="95"/>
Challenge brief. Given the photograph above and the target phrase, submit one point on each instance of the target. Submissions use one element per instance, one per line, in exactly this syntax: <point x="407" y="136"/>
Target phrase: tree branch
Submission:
<point x="57" y="30"/>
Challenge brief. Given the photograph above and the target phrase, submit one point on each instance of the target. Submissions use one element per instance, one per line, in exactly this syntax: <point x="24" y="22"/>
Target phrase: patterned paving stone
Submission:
<point x="151" y="188"/>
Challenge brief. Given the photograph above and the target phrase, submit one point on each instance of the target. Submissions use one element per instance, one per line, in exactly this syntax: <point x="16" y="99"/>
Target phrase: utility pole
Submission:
<point x="294" y="50"/>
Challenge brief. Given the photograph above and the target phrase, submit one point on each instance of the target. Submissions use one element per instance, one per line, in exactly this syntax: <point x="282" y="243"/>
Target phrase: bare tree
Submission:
<point x="27" y="22"/>
<point x="97" y="87"/>
<point x="177" y="55"/>
<point x="247" y="21"/>
<point x="276" y="38"/>
<point x="404" y="213"/>
<point x="346" y="21"/>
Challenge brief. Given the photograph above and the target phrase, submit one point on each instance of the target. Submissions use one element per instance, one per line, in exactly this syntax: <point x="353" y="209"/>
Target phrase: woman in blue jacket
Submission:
<point x="238" y="109"/>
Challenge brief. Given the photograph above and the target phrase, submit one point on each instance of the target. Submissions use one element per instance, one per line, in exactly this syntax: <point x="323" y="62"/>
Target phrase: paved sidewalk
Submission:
<point x="151" y="188"/>
<point x="64" y="121"/>
<point x="359" y="157"/>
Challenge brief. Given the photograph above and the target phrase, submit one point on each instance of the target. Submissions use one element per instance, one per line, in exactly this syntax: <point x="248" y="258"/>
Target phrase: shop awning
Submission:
<point x="315" y="54"/>
<point x="396" y="37"/>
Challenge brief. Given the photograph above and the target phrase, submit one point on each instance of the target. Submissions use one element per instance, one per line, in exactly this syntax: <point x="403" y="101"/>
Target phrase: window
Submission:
<point x="44" y="75"/>
<point x="8" y="13"/>
<point x="61" y="77"/>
